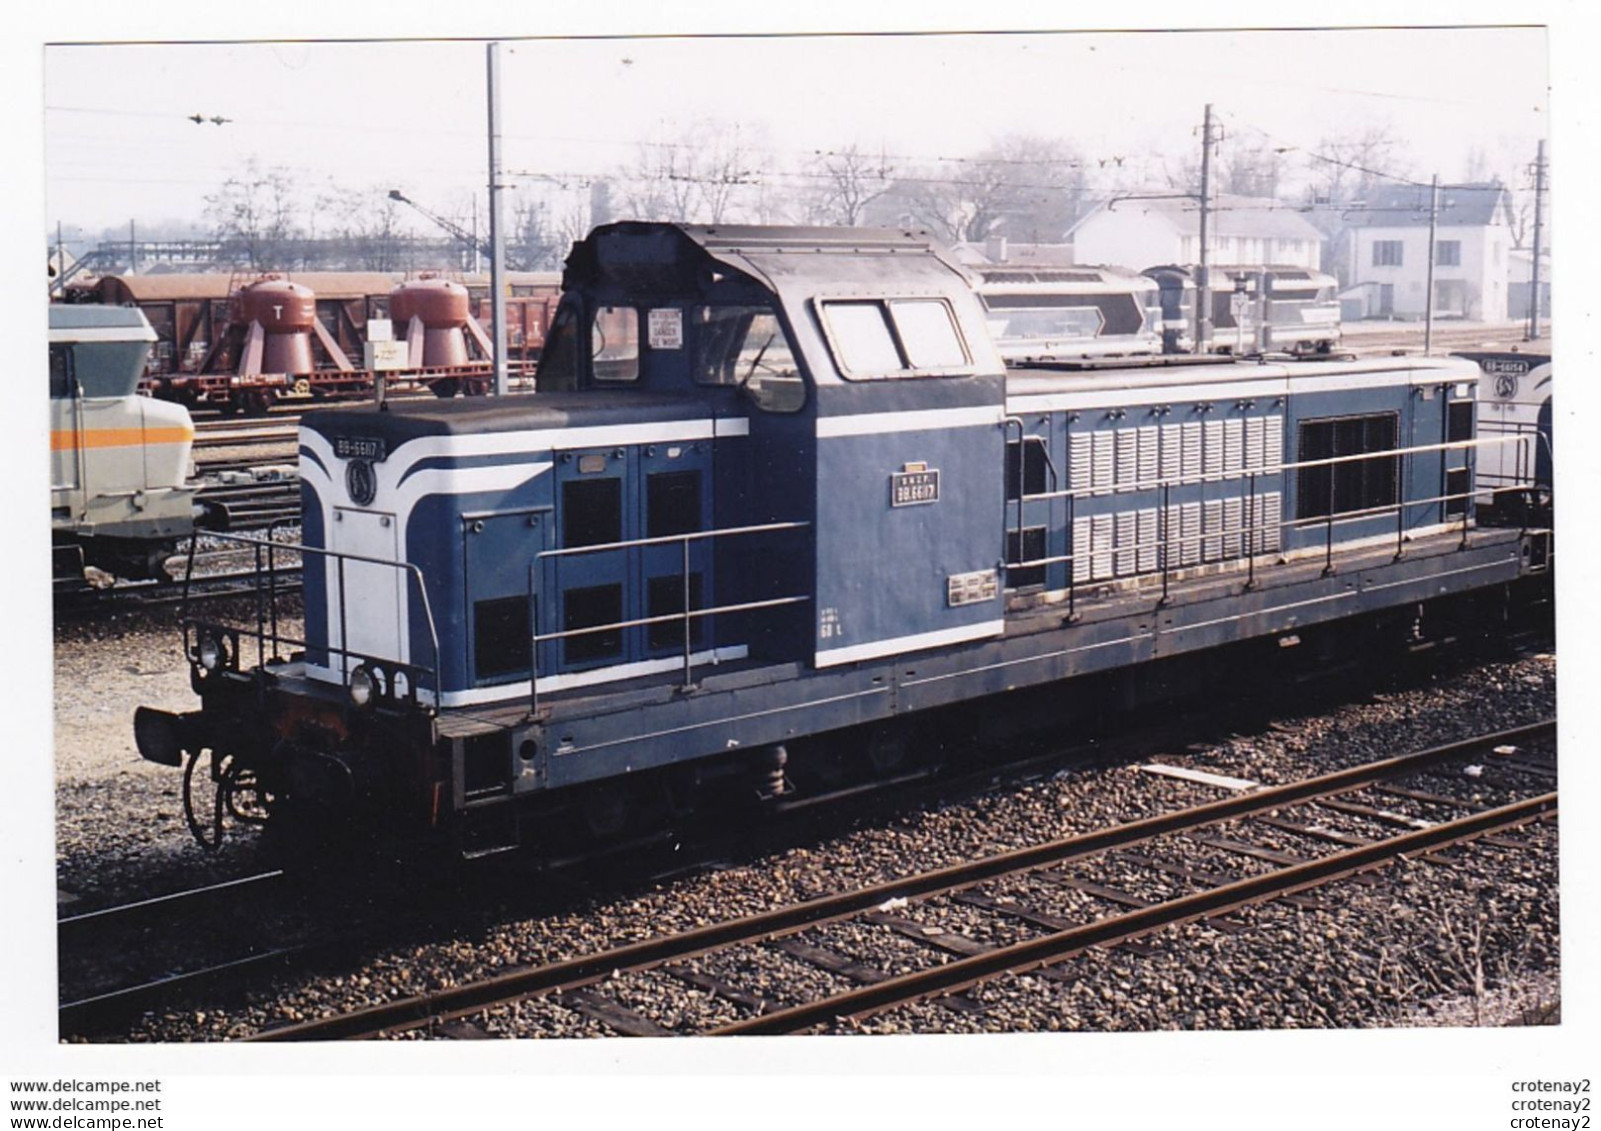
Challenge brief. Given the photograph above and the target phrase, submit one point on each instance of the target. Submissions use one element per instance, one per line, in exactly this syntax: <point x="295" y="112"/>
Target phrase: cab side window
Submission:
<point x="614" y="343"/>
<point x="746" y="347"/>
<point x="874" y="339"/>
<point x="558" y="359"/>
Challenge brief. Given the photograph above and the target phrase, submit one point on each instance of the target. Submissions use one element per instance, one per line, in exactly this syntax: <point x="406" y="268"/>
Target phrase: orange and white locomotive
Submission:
<point x="120" y="471"/>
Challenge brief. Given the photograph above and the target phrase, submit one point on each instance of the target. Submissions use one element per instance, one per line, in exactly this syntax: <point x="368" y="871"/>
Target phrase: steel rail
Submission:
<point x="84" y="1014"/>
<point x="1030" y="954"/>
<point x="102" y="913"/>
<point x="569" y="973"/>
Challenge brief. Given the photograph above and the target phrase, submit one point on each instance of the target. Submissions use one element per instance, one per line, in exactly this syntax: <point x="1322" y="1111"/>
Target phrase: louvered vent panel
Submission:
<point x="1272" y="508"/>
<point x="1078" y="461"/>
<point x="1150" y="445"/>
<point x="1148" y="535"/>
<point x="1081" y="550"/>
<point x="1192" y="450"/>
<point x="1233" y="444"/>
<point x="1233" y="527"/>
<point x="1212" y="461"/>
<point x="1102" y="532"/>
<point x="1126" y="557"/>
<point x="1274" y="441"/>
<point x="1212" y="528"/>
<point x="1172" y="449"/>
<point x="1184" y="533"/>
<point x="1103" y="460"/>
<point x="1254" y="438"/>
<point x="1128" y="441"/>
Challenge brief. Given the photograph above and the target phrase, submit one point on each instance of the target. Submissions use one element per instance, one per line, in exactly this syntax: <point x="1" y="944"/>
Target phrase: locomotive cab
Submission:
<point x="120" y="494"/>
<point x="750" y="451"/>
<point x="706" y="397"/>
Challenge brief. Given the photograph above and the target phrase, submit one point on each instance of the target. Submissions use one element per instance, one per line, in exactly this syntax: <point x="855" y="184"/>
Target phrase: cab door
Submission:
<point x="599" y="588"/>
<point x="676" y="491"/>
<point x="366" y="600"/>
<point x="502" y="559"/>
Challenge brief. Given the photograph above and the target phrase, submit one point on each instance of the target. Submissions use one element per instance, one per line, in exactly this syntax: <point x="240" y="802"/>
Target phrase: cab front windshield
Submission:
<point x="746" y="347"/>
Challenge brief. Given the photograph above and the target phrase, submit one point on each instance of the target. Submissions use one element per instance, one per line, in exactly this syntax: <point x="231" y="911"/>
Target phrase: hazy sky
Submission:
<point x="119" y="145"/>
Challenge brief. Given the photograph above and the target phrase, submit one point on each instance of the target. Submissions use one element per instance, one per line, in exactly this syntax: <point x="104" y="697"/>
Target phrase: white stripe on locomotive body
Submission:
<point x="504" y="692"/>
<point x="875" y="649"/>
<point x="915" y="420"/>
<point x="400" y="489"/>
<point x="1149" y="395"/>
<point x="1101" y="390"/>
<point x="551" y="439"/>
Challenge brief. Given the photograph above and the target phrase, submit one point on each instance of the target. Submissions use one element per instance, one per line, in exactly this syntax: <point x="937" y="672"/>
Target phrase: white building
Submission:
<point x="1520" y="282"/>
<point x="1141" y="233"/>
<point x="1389" y="253"/>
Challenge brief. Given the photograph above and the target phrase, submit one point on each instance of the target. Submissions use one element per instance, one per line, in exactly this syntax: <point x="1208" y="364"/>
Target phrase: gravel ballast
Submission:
<point x="1472" y="937"/>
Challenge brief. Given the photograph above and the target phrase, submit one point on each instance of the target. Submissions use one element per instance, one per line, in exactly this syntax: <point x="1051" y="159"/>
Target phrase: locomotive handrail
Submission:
<point x="1202" y="478"/>
<point x="1251" y="534"/>
<point x="1521" y="429"/>
<point x="1245" y="534"/>
<point x="1164" y="484"/>
<point x="669" y="539"/>
<point x="1007" y="424"/>
<point x="686" y="616"/>
<point x="667" y="618"/>
<point x="412" y="570"/>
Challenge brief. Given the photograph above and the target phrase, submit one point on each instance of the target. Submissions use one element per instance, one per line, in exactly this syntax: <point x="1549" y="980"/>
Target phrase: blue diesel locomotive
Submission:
<point x="775" y="484"/>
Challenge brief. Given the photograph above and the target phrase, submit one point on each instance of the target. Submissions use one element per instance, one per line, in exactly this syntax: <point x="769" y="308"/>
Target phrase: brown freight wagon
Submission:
<point x="190" y="314"/>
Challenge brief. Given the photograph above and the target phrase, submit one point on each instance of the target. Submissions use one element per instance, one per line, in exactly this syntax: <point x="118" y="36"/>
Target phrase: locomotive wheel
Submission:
<point x="888" y="749"/>
<point x="606" y="811"/>
<point x="446" y="388"/>
<point x="257" y="402"/>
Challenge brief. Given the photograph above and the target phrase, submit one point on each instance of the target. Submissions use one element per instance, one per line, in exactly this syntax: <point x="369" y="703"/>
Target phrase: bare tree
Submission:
<point x="253" y="216"/>
<point x="1343" y="172"/>
<point x="1025" y="188"/>
<point x="847" y="182"/>
<point x="1345" y="167"/>
<point x="573" y="225"/>
<point x="1182" y="171"/>
<point x="928" y="197"/>
<point x="728" y="161"/>
<point x="1253" y="168"/>
<point x="365" y="224"/>
<point x="1520" y="210"/>
<point x="693" y="174"/>
<point x="534" y="244"/>
<point x="1042" y="187"/>
<point x="658" y="184"/>
<point x="1511" y="163"/>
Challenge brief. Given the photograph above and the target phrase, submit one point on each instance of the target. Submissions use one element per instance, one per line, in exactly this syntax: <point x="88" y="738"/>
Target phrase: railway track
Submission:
<point x="72" y="598"/>
<point x="120" y="959"/>
<point x="108" y="1006"/>
<point x="1384" y="338"/>
<point x="1371" y="793"/>
<point x="227" y="434"/>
